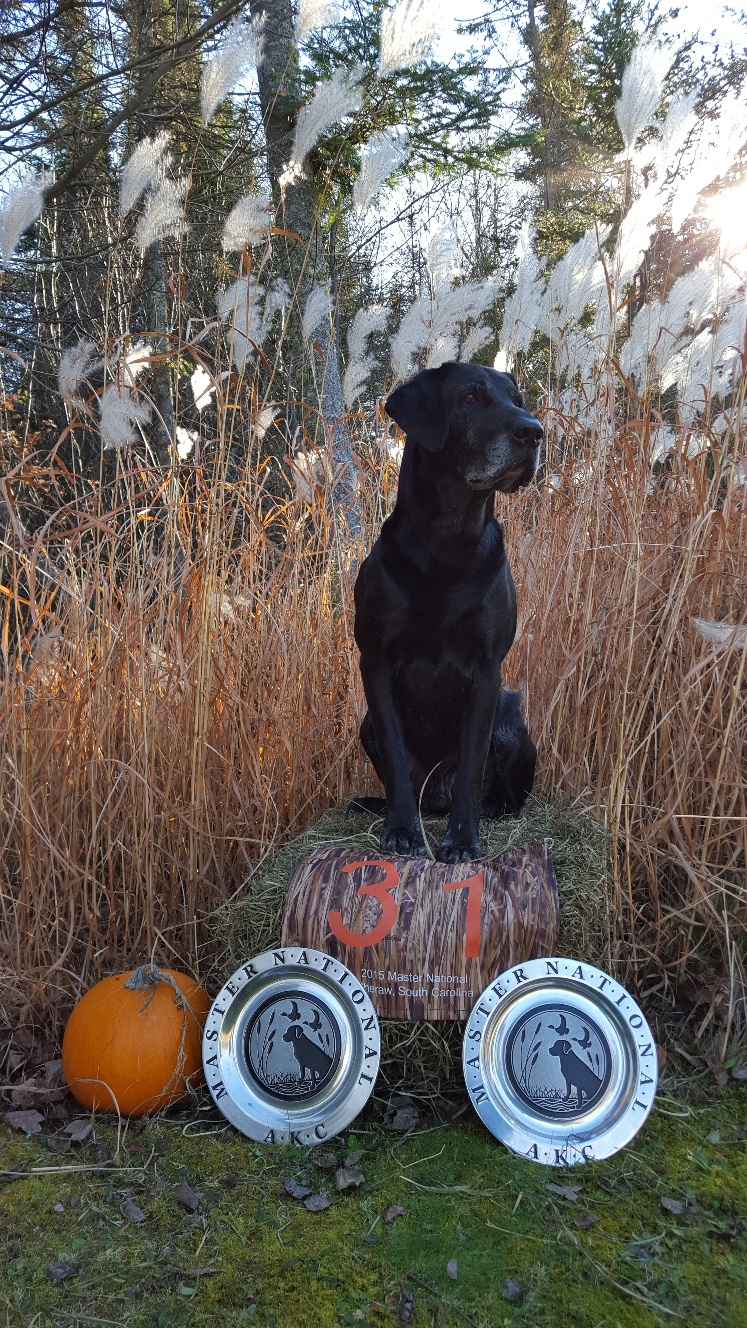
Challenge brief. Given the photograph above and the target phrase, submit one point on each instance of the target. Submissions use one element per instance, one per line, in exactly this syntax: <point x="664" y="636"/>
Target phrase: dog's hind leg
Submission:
<point x="377" y="806"/>
<point x="509" y="770"/>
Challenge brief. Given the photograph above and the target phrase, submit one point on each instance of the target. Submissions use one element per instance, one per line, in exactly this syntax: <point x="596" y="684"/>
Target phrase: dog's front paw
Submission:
<point x="406" y="840"/>
<point x="459" y="848"/>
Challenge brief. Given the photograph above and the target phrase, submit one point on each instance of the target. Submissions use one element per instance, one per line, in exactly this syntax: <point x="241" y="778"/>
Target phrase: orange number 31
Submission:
<point x="381" y="890"/>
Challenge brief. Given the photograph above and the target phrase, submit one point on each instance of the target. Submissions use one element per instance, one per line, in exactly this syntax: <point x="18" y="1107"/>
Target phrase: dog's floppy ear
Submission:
<point x="418" y="408"/>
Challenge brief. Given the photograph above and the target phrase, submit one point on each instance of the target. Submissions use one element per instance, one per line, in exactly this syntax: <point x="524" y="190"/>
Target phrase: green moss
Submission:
<point x="251" y="1255"/>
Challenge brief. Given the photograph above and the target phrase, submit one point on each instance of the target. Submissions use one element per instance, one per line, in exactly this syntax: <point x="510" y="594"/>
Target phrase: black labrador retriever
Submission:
<point x="436" y="613"/>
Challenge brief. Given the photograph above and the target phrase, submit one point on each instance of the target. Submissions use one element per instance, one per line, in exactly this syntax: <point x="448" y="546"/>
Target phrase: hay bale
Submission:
<point x="426" y="1057"/>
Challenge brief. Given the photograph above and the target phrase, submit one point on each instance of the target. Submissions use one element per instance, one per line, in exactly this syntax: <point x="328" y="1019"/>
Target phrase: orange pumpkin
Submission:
<point x="134" y="1041"/>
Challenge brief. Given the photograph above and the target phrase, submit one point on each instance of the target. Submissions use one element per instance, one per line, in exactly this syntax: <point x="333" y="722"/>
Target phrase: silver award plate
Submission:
<point x="291" y="1047"/>
<point x="559" y="1062"/>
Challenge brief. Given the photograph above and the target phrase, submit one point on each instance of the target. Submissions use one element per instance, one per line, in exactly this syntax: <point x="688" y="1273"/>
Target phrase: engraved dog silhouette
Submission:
<point x="308" y="1054"/>
<point x="575" y="1072"/>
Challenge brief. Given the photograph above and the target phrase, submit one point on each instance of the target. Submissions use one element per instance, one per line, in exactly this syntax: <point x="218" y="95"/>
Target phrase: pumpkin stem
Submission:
<point x="147" y="978"/>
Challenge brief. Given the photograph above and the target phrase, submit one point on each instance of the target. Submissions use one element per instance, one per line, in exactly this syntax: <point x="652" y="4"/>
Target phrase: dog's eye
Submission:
<point x="469" y="398"/>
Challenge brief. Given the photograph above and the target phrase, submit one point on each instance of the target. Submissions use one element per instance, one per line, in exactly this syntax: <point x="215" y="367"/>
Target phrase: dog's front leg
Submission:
<point x="461" y="843"/>
<point x="401" y="832"/>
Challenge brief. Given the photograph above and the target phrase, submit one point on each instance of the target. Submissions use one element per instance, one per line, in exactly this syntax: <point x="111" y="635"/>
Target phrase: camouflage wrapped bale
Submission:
<point x="424" y="1058"/>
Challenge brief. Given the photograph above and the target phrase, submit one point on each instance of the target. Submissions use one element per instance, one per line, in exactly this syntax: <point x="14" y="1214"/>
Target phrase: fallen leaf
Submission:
<point x="53" y="1074"/>
<point x="740" y="1071"/>
<point x="719" y="1071"/>
<point x="348" y="1178"/>
<point x="27" y="1094"/>
<point x="393" y="1211"/>
<point x="585" y="1220"/>
<point x="132" y="1212"/>
<point x="78" y="1130"/>
<point x="317" y="1203"/>
<point x="297" y="1189"/>
<point x="327" y="1161"/>
<point x="353" y="1159"/>
<point x="28" y="1121"/>
<point x="452" y="1269"/>
<point x="187" y="1197"/>
<point x="569" y="1192"/>
<point x="59" y="1143"/>
<point x="60" y="1271"/>
<point x="33" y="1091"/>
<point x="58" y="1208"/>
<point x="406" y="1118"/>
<point x="401" y="1114"/>
<point x="661" y="1056"/>
<point x="673" y="1205"/>
<point x="511" y="1290"/>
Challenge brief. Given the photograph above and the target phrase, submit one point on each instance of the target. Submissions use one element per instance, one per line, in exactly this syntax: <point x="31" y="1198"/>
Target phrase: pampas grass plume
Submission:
<point x="241" y="47"/>
<point x="20" y="207"/>
<point x="119" y="414"/>
<point x="720" y="141"/>
<point x="164" y="213"/>
<point x="640" y="93"/>
<point x="248" y="222"/>
<point x="144" y="168"/>
<point x="311" y="468"/>
<point x="407" y="34"/>
<point x="365" y="323"/>
<point x="203" y="388"/>
<point x="443" y="347"/>
<point x="412" y="334"/>
<point x="384" y="153"/>
<point x="318" y="308"/>
<point x="134" y="362"/>
<point x="721" y="633"/>
<point x="278" y="300"/>
<point x="316" y="14"/>
<point x="443" y="257"/>
<point x="332" y="101"/>
<point x="185" y="441"/>
<point x="75" y="363"/>
<point x="241" y="308"/>
<point x="475" y="340"/>
<point x="264" y="419"/>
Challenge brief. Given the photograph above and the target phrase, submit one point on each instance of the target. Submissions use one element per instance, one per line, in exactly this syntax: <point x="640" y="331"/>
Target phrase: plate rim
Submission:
<point x="555" y="1144"/>
<point x="302" y="964"/>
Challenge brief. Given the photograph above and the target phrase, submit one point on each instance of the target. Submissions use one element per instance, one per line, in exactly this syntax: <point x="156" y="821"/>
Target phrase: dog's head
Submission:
<point x="560" y="1048"/>
<point x="477" y="417"/>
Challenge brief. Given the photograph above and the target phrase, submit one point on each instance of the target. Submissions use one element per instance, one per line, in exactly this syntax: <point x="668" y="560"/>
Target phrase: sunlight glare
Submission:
<point x="727" y="211"/>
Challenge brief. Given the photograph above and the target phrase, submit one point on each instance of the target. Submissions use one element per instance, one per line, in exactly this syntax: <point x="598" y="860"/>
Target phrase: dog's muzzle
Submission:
<point x="513" y="459"/>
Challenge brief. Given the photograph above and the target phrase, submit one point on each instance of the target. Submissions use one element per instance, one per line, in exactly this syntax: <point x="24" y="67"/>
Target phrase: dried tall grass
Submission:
<point x="183" y="701"/>
<point x="637" y="714"/>
<point x="189" y="700"/>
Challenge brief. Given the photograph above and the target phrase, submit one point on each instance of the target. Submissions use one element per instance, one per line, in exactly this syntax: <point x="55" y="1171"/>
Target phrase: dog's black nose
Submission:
<point x="530" y="434"/>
